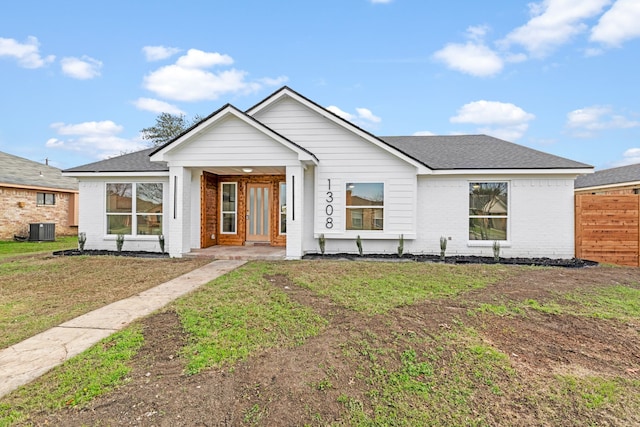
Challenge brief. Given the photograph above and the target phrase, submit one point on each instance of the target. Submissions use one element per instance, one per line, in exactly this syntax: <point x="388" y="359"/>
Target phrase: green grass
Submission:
<point x="444" y="377"/>
<point x="432" y="382"/>
<point x="240" y="314"/>
<point x="611" y="302"/>
<point x="79" y="380"/>
<point x="375" y="288"/>
<point x="11" y="248"/>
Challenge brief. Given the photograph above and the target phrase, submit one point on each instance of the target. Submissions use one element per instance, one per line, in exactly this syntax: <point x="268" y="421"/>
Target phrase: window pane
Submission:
<point x="40" y="199"/>
<point x="118" y="224"/>
<point x="119" y="198"/>
<point x="369" y="194"/>
<point x="228" y="222"/>
<point x="488" y="228"/>
<point x="365" y="218"/>
<point x="283" y="208"/>
<point x="229" y="197"/>
<point x="488" y="198"/>
<point x="149" y="224"/>
<point x="149" y="198"/>
<point x="49" y="199"/>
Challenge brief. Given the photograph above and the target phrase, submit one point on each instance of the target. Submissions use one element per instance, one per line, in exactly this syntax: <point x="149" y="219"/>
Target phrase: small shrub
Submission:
<point x="443" y="247"/>
<point x="119" y="242"/>
<point x="496" y="251"/>
<point x="82" y="239"/>
<point x="401" y="246"/>
<point x="161" y="242"/>
<point x="359" y="244"/>
<point x="322" y="242"/>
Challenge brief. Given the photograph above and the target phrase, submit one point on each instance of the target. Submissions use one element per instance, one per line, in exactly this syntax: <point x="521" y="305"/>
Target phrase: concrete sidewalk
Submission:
<point x="27" y="360"/>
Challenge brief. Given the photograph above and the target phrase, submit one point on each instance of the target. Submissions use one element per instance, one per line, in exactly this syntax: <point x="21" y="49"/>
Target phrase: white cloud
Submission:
<point x="500" y="119"/>
<point x="423" y="133"/>
<point x="189" y="80"/>
<point x="157" y="53"/>
<point x="198" y="59"/>
<point x="81" y="68"/>
<point x="553" y="23"/>
<point x="585" y="122"/>
<point x="618" y="24"/>
<point x="338" y="112"/>
<point x="472" y="57"/>
<point x="630" y="157"/>
<point x="157" y="106"/>
<point x="363" y="116"/>
<point x="366" y="114"/>
<point x="27" y="54"/>
<point x="96" y="139"/>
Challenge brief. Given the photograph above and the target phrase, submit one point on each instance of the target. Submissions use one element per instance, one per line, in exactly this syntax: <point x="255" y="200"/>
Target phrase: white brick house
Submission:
<point x="288" y="171"/>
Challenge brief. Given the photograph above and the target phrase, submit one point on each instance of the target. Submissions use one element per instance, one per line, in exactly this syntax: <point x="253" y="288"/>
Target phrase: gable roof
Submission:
<point x="286" y="91"/>
<point x="620" y="175"/>
<point x="138" y="161"/>
<point x="476" y="152"/>
<point x="223" y="112"/>
<point x="27" y="173"/>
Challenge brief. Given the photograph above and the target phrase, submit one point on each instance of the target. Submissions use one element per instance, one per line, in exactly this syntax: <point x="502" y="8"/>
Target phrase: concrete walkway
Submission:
<point x="27" y="360"/>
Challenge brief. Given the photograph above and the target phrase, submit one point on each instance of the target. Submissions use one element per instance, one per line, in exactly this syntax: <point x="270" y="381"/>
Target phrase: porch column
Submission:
<point x="295" y="211"/>
<point x="179" y="211"/>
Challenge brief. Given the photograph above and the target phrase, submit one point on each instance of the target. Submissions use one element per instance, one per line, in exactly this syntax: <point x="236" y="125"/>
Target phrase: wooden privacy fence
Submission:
<point x="608" y="228"/>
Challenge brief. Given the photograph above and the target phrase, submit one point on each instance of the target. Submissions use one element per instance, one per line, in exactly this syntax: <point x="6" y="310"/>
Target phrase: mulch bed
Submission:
<point x="138" y="254"/>
<point x="460" y="259"/>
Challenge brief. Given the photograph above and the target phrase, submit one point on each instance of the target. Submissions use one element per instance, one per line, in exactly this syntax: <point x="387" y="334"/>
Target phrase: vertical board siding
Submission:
<point x="607" y="228"/>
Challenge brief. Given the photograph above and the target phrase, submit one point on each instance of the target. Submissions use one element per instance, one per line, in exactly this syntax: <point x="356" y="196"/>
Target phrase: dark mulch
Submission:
<point x="138" y="254"/>
<point x="460" y="259"/>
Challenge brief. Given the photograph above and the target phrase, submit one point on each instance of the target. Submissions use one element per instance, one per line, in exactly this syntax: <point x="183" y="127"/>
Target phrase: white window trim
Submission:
<point x="134" y="214"/>
<point x="346" y="207"/>
<point x="235" y="211"/>
<point x="489" y="243"/>
<point x="280" y="184"/>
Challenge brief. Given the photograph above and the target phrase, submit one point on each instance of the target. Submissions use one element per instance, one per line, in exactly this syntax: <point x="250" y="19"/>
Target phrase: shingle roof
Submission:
<point x="619" y="175"/>
<point x="132" y="162"/>
<point x="476" y="152"/>
<point x="19" y="171"/>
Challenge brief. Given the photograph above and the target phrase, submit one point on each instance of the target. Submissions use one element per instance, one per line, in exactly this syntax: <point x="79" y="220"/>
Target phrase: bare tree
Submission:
<point x="167" y="127"/>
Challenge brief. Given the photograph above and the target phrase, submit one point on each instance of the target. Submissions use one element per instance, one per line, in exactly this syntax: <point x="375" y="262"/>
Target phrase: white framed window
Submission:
<point x="488" y="211"/>
<point x="283" y="207"/>
<point x="229" y="207"/>
<point x="364" y="206"/>
<point x="134" y="208"/>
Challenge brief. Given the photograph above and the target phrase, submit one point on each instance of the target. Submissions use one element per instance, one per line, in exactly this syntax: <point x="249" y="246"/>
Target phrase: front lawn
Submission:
<point x="10" y="248"/>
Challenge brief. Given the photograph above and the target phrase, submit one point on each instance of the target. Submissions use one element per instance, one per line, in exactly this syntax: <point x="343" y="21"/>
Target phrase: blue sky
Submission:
<point x="80" y="79"/>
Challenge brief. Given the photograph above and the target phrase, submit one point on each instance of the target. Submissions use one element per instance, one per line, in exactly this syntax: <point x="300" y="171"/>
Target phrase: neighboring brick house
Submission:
<point x="32" y="192"/>
<point x="620" y="180"/>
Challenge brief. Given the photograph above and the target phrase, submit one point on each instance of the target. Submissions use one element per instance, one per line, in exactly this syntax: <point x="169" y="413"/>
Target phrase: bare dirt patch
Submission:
<point x="302" y="385"/>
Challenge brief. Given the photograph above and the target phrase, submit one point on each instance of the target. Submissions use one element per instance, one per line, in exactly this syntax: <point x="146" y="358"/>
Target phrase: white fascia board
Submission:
<point x="340" y="122"/>
<point x="606" y="186"/>
<point x="118" y="174"/>
<point x="574" y="172"/>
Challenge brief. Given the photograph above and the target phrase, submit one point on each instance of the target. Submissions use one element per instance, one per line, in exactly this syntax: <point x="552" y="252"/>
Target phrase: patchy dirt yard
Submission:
<point x="305" y="385"/>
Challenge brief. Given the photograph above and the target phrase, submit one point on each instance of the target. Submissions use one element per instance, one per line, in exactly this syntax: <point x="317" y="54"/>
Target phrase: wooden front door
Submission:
<point x="258" y="212"/>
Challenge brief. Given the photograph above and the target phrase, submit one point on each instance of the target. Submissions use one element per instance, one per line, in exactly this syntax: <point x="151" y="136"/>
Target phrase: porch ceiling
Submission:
<point x="244" y="170"/>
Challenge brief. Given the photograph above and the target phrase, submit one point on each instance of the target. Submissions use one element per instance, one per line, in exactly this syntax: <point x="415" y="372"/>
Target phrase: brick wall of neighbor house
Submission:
<point x="19" y="209"/>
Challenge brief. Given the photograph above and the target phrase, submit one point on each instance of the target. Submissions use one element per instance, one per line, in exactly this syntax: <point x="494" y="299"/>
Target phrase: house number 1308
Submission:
<point x="329" y="207"/>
